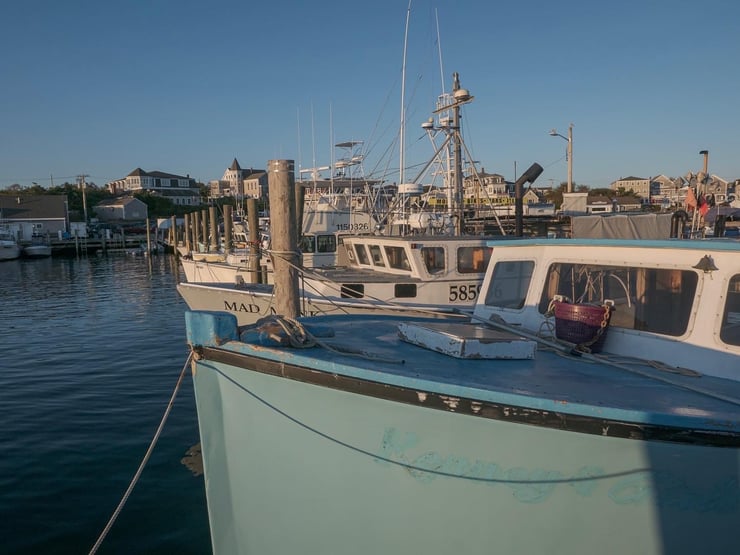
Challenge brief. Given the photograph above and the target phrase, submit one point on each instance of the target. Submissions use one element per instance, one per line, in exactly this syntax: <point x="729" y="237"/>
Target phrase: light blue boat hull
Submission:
<point x="295" y="467"/>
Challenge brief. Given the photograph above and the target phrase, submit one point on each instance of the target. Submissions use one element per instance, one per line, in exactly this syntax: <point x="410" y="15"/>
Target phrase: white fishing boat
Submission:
<point x="387" y="274"/>
<point x="344" y="210"/>
<point x="590" y="405"/>
<point x="330" y="212"/>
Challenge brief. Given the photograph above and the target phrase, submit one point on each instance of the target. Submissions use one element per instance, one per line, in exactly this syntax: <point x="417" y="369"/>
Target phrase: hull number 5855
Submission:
<point x="464" y="293"/>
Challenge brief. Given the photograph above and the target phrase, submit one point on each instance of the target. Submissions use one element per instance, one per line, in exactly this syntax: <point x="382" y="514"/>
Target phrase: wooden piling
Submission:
<point x="300" y="199"/>
<point x="213" y="245"/>
<point x="187" y="233"/>
<point x="204" y="222"/>
<point x="253" y="225"/>
<point x="173" y="231"/>
<point x="228" y="228"/>
<point x="148" y="236"/>
<point x="283" y="234"/>
<point x="196" y="231"/>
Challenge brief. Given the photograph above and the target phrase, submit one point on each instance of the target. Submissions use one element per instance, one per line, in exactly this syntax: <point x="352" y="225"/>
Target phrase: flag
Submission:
<point x="703" y="205"/>
<point x="690" y="199"/>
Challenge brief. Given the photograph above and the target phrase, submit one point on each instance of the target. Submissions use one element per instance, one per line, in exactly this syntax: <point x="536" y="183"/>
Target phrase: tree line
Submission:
<point x="157" y="205"/>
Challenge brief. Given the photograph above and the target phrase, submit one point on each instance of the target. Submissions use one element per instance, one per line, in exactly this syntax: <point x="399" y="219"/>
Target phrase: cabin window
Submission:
<point x="472" y="260"/>
<point x="509" y="284"/>
<point x="405" y="290"/>
<point x="434" y="259"/>
<point x="326" y="243"/>
<point x="730" y="331"/>
<point x="376" y="255"/>
<point x="362" y="256"/>
<point x="352" y="291"/>
<point x="647" y="299"/>
<point x="307" y="244"/>
<point x="397" y="258"/>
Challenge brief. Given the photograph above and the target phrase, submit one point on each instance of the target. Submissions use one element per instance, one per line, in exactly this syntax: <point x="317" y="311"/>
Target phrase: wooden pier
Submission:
<point x="85" y="246"/>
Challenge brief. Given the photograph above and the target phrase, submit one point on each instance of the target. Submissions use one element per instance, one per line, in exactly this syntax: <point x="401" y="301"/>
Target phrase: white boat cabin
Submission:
<point x="675" y="302"/>
<point x="418" y="256"/>
<point x="426" y="271"/>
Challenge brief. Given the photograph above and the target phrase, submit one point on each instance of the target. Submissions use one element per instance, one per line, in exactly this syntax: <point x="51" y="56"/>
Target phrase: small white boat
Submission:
<point x="37" y="248"/>
<point x="9" y="247"/>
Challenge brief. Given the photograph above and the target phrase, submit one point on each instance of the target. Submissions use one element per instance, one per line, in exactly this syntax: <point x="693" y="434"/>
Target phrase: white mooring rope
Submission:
<point x="148" y="454"/>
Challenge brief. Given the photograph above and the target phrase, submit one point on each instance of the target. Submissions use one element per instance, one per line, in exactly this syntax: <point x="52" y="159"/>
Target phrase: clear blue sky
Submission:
<point x="181" y="86"/>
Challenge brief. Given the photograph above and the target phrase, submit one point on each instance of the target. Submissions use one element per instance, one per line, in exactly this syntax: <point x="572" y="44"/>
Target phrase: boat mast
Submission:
<point x="457" y="156"/>
<point x="402" y="146"/>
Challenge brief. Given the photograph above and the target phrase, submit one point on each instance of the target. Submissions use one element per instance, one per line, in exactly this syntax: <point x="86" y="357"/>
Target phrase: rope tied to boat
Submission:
<point x="293" y="332"/>
<point x="147" y="455"/>
<point x="277" y="330"/>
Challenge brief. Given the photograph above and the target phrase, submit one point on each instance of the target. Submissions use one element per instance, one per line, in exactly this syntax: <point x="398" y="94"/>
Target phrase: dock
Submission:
<point x="84" y="246"/>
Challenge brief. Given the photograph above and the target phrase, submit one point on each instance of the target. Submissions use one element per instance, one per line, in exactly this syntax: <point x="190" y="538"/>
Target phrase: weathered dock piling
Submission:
<point x="285" y="258"/>
<point x="254" y="243"/>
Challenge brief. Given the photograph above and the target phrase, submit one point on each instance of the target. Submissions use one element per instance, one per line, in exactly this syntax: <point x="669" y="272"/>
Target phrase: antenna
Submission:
<point x="439" y="49"/>
<point x="298" y="119"/>
<point x="313" y="139"/>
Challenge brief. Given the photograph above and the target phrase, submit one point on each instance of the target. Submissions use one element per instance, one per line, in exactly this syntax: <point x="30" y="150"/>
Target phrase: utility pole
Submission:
<point x="570" y="158"/>
<point x="83" y="185"/>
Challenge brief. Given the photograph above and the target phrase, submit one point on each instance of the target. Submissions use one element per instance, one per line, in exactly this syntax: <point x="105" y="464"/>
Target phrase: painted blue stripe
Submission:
<point x="726" y="245"/>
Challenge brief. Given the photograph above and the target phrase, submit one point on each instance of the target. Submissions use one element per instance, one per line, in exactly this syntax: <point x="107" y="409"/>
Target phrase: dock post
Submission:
<point x="204" y="222"/>
<point x="148" y="236"/>
<point x="196" y="231"/>
<point x="253" y="227"/>
<point x="173" y="228"/>
<point x="300" y="199"/>
<point x="228" y="227"/>
<point x="213" y="247"/>
<point x="186" y="233"/>
<point x="281" y="183"/>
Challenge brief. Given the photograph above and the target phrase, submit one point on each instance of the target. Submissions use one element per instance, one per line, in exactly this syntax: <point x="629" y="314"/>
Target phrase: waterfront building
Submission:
<point x="239" y="182"/>
<point x="178" y="189"/>
<point x="121" y="209"/>
<point x="35" y="214"/>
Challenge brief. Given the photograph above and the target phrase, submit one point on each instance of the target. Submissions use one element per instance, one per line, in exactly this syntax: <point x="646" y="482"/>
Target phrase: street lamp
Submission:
<point x="569" y="153"/>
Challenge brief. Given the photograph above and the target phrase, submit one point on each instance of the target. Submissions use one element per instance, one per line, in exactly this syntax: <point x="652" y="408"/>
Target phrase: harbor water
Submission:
<point x="92" y="349"/>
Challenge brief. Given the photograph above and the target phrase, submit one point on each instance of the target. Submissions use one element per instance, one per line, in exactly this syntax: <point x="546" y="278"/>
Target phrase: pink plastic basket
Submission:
<point x="580" y="323"/>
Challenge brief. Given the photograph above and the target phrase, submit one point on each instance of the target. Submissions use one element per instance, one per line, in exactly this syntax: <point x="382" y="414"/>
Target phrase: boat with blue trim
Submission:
<point x="590" y="404"/>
